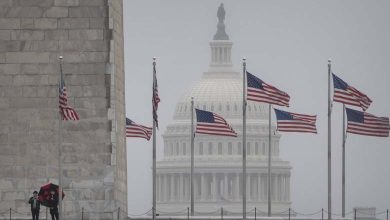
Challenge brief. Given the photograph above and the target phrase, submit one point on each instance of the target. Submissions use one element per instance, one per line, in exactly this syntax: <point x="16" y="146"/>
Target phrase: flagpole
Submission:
<point x="244" y="140"/>
<point x="343" y="177"/>
<point x="60" y="148"/>
<point x="154" y="147"/>
<point x="192" y="156"/>
<point x="329" y="146"/>
<point x="269" y="161"/>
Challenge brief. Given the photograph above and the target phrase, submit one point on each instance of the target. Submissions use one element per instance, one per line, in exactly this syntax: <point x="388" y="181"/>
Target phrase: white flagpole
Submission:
<point x="329" y="146"/>
<point x="343" y="175"/>
<point x="154" y="145"/>
<point x="244" y="140"/>
<point x="192" y="156"/>
<point x="60" y="148"/>
<point x="269" y="161"/>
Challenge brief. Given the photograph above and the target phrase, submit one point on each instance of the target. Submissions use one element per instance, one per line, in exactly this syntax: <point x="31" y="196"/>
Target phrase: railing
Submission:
<point x="255" y="214"/>
<point x="82" y="214"/>
<point x="221" y="213"/>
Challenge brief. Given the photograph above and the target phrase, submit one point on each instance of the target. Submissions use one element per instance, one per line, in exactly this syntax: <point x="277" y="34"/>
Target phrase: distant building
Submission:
<point x="218" y="160"/>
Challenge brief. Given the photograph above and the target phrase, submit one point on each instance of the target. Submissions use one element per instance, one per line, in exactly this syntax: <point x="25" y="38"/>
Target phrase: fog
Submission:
<point x="287" y="44"/>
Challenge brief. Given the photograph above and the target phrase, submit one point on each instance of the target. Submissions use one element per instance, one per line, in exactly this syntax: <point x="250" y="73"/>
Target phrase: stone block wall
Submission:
<point x="89" y="35"/>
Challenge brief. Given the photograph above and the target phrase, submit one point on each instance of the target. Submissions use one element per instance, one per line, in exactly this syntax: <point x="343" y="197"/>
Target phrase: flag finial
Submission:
<point x="329" y="60"/>
<point x="60" y="57"/>
<point x="154" y="58"/>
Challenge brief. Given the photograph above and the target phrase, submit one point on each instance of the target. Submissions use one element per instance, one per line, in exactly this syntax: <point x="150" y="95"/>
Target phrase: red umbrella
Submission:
<point x="44" y="195"/>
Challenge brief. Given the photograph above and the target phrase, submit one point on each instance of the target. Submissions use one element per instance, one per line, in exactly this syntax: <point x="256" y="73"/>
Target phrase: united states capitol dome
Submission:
<point x="218" y="160"/>
<point x="220" y="88"/>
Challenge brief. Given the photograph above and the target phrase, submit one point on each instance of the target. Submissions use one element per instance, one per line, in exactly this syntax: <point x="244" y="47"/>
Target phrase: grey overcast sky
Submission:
<point x="286" y="43"/>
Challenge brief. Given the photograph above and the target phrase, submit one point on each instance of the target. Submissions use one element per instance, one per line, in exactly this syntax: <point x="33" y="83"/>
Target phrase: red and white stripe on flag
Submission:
<point x="259" y="91"/>
<point x="367" y="124"/>
<point x="293" y="122"/>
<point x="136" y="130"/>
<point x="68" y="113"/>
<point x="212" y="124"/>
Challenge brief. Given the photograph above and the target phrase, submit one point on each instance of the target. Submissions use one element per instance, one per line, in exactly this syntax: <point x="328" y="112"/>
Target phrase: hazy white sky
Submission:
<point x="286" y="43"/>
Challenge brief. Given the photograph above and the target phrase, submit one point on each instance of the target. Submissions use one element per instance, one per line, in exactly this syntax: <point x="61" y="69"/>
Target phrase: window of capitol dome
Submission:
<point x="200" y="148"/>
<point x="184" y="149"/>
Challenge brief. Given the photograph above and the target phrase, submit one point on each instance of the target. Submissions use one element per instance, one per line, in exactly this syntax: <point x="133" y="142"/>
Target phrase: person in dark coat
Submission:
<point x="53" y="201"/>
<point x="35" y="206"/>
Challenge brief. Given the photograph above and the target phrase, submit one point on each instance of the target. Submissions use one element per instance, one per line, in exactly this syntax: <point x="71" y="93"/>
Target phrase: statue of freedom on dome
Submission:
<point x="221" y="13"/>
<point x="221" y="34"/>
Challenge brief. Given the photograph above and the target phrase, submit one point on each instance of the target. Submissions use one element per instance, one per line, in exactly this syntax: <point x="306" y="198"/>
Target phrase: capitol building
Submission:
<point x="218" y="159"/>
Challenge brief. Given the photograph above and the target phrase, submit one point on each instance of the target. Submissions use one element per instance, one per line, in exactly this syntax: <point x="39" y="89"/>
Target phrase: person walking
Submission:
<point x="35" y="205"/>
<point x="53" y="201"/>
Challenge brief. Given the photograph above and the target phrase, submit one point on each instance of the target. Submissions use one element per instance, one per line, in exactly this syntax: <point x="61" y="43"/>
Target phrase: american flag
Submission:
<point x="259" y="91"/>
<point x="66" y="111"/>
<point x="347" y="94"/>
<point x="211" y="123"/>
<point x="155" y="98"/>
<point x="135" y="130"/>
<point x="367" y="124"/>
<point x="293" y="122"/>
